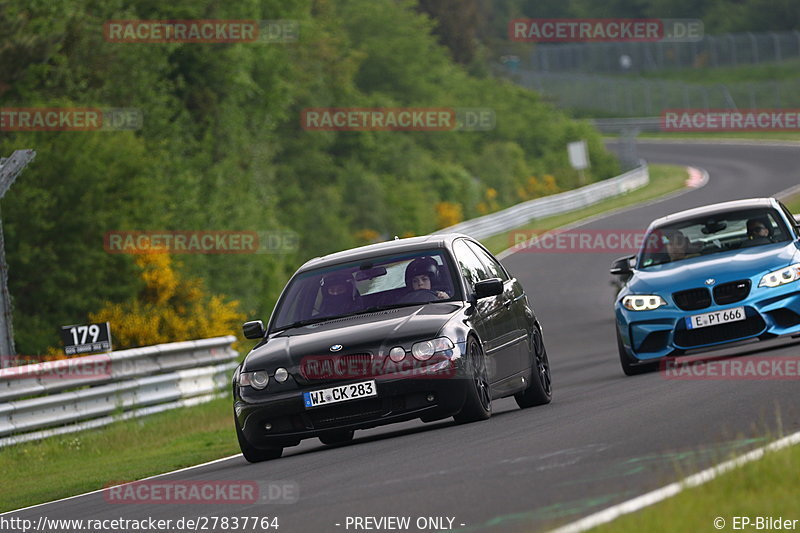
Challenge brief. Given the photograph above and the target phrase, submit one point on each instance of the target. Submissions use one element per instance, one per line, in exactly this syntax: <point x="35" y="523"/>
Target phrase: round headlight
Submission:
<point x="259" y="380"/>
<point x="397" y="354"/>
<point x="423" y="350"/>
<point x="281" y="375"/>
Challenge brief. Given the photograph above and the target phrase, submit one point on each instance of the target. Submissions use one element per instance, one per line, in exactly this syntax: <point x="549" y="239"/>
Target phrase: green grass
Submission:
<point x="664" y="179"/>
<point x="723" y="135"/>
<point x="58" y="467"/>
<point x="793" y="203"/>
<point x="729" y="135"/>
<point x="766" y="487"/>
<point x="706" y="75"/>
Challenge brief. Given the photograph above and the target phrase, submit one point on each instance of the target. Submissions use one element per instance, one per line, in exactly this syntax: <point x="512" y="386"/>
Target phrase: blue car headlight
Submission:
<point x="780" y="277"/>
<point x="642" y="302"/>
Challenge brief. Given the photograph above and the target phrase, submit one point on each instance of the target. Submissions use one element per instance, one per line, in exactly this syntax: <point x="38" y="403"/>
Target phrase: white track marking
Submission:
<point x="123" y="484"/>
<point x="658" y="495"/>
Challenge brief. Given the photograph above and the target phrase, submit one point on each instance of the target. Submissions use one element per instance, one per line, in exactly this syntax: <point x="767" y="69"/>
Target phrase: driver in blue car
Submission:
<point x="758" y="231"/>
<point x="423" y="274"/>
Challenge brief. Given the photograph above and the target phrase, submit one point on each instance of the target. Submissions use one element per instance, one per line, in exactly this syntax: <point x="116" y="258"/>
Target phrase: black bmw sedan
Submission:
<point x="428" y="327"/>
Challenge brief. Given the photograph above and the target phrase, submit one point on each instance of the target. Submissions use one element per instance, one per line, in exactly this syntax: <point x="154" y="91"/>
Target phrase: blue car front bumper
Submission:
<point x="650" y="335"/>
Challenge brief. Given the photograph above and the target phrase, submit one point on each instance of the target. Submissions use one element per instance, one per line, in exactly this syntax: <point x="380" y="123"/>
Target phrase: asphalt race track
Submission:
<point x="604" y="439"/>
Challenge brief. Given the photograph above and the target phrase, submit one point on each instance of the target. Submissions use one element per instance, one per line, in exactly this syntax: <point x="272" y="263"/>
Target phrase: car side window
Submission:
<point x="789" y="216"/>
<point x="494" y="268"/>
<point x="471" y="267"/>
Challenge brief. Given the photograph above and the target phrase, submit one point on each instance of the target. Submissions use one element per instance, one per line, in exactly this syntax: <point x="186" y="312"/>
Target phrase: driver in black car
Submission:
<point x="339" y="295"/>
<point x="423" y="274"/>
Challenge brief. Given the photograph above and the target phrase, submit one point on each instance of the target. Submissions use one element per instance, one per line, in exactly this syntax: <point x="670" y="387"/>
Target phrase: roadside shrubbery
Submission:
<point x="222" y="148"/>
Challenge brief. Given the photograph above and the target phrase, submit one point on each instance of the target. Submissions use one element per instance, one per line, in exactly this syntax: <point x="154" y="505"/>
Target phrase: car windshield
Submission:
<point x="710" y="234"/>
<point x="368" y="285"/>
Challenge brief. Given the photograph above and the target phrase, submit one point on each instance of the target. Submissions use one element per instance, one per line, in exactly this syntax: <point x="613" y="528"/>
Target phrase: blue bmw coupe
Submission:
<point x="706" y="278"/>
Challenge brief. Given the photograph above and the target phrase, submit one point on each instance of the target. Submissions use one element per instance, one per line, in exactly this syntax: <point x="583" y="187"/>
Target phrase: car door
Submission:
<point x="515" y="328"/>
<point x="492" y="316"/>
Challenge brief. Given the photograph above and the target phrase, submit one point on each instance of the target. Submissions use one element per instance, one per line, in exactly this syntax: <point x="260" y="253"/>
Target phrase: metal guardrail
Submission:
<point x="52" y="398"/>
<point x="486" y="226"/>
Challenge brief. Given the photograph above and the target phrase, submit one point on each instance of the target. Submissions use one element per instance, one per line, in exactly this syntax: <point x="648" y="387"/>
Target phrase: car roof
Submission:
<point x="412" y="244"/>
<point x="722" y="207"/>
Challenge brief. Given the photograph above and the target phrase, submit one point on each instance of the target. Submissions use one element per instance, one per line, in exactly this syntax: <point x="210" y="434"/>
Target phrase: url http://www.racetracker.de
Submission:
<point x="44" y="524"/>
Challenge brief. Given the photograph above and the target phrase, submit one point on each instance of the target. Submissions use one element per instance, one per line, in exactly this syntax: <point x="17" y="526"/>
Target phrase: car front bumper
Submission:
<point x="437" y="393"/>
<point x="651" y="335"/>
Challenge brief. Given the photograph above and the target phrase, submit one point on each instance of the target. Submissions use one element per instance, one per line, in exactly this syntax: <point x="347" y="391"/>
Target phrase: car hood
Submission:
<point x="357" y="334"/>
<point x="722" y="267"/>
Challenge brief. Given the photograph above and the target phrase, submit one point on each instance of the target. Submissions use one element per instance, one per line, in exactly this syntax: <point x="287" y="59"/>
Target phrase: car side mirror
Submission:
<point x="253" y="329"/>
<point x="488" y="287"/>
<point x="622" y="266"/>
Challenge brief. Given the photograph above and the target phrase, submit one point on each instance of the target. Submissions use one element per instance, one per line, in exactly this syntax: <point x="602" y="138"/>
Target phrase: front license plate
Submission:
<point x="342" y="393"/>
<point x="715" y="318"/>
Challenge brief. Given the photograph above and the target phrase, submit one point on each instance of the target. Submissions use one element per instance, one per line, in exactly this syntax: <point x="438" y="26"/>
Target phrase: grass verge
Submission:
<point x="793" y="203"/>
<point x="664" y="179"/>
<point x="57" y="467"/>
<point x="763" y="136"/>
<point x="774" y="71"/>
<point x="763" y="488"/>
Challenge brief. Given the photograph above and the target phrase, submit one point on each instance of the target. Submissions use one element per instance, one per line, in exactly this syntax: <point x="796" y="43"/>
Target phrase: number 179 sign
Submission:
<point x="86" y="339"/>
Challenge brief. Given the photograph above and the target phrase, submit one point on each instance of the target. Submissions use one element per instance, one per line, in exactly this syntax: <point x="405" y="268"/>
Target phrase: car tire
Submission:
<point x="627" y="362"/>
<point x="478" y="401"/>
<point x="540" y="388"/>
<point x="337" y="437"/>
<point x="255" y="455"/>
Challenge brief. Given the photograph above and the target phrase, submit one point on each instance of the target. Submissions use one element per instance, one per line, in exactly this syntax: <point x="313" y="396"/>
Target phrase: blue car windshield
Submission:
<point x="711" y="234"/>
<point x="368" y="285"/>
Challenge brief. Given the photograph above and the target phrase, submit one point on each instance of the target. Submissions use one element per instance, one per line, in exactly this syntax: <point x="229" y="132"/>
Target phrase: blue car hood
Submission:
<point x="722" y="267"/>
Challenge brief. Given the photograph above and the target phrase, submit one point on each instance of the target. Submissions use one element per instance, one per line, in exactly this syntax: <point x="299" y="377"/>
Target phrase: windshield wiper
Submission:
<point x="316" y="320"/>
<point x="307" y="322"/>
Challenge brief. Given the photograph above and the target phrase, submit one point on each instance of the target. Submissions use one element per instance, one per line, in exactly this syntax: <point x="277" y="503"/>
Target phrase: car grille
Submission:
<point x="337" y="367"/>
<point x="692" y="299"/>
<point x="347" y="412"/>
<point x="735" y="291"/>
<point x="741" y="329"/>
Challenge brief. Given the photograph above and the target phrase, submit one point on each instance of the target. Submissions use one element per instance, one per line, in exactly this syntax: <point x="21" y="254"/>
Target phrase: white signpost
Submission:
<point x="579" y="158"/>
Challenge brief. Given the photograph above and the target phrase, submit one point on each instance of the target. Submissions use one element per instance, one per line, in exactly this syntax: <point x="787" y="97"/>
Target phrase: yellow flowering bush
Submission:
<point x="448" y="214"/>
<point x="168" y="309"/>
